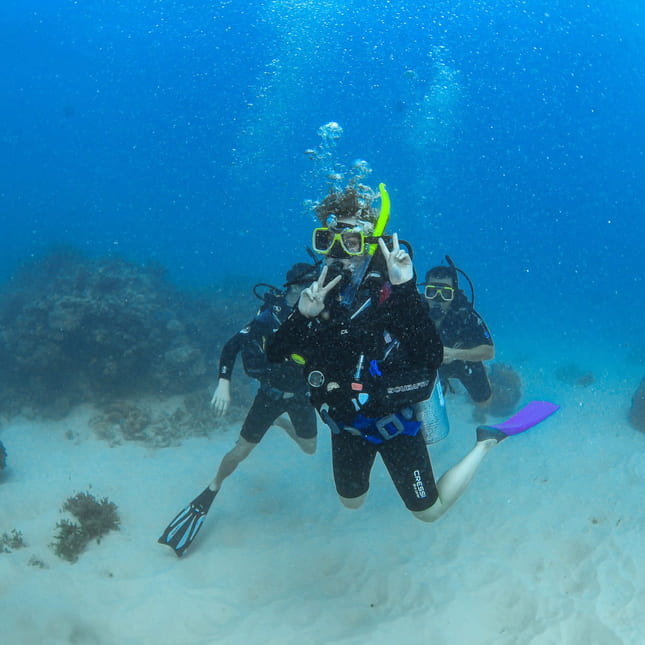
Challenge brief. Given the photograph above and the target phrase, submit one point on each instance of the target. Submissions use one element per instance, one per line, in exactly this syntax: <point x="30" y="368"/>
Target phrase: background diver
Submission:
<point x="464" y="334"/>
<point x="282" y="390"/>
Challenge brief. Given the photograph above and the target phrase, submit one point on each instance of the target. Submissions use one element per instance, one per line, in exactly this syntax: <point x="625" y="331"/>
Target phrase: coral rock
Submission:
<point x="507" y="390"/>
<point x="637" y="411"/>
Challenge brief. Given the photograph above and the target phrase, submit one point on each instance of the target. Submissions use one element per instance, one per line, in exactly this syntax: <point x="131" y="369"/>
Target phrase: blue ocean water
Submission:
<point x="510" y="135"/>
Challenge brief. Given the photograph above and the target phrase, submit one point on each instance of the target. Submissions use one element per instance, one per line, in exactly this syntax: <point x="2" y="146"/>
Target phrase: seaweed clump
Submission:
<point x="11" y="541"/>
<point x="3" y="456"/>
<point x="95" y="519"/>
<point x="637" y="411"/>
<point x="507" y="389"/>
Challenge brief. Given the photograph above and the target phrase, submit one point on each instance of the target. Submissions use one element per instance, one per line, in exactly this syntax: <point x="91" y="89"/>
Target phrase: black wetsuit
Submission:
<point x="282" y="388"/>
<point x="366" y="366"/>
<point x="463" y="328"/>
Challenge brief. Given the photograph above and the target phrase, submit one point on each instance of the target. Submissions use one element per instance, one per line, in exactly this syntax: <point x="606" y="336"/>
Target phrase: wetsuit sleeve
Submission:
<point x="466" y="329"/>
<point x="228" y="355"/>
<point x="289" y="338"/>
<point x="479" y="333"/>
<point x="413" y="327"/>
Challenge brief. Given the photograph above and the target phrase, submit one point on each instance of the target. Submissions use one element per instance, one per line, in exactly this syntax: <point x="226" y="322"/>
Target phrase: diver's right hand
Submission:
<point x="221" y="397"/>
<point x="312" y="299"/>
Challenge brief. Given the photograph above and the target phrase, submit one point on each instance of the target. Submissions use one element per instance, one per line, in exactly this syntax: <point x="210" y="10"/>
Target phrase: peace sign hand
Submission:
<point x="312" y="299"/>
<point x="399" y="263"/>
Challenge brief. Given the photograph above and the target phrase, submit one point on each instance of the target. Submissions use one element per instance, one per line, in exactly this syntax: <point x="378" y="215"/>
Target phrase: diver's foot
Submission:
<point x="484" y="433"/>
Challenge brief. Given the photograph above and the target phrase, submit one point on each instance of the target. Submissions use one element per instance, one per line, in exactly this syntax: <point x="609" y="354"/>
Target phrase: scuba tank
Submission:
<point x="269" y="295"/>
<point x="433" y="416"/>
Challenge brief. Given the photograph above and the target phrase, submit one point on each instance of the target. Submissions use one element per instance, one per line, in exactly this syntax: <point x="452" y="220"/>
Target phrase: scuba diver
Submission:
<point x="369" y="352"/>
<point x="282" y="390"/>
<point x="464" y="334"/>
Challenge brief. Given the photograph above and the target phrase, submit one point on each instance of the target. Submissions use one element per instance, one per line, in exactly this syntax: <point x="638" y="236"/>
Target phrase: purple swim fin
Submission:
<point x="530" y="415"/>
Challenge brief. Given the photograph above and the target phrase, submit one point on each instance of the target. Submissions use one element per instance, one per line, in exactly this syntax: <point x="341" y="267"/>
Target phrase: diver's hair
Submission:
<point x="355" y="201"/>
<point x="443" y="272"/>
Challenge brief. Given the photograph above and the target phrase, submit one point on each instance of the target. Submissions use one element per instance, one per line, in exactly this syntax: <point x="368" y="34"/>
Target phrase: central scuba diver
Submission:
<point x="369" y="352"/>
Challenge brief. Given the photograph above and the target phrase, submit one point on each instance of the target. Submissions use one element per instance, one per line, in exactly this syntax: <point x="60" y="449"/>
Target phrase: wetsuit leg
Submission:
<point x="455" y="481"/>
<point x="472" y="376"/>
<point x="303" y="417"/>
<point x="406" y="459"/>
<point x="352" y="459"/>
<point x="476" y="382"/>
<point x="264" y="411"/>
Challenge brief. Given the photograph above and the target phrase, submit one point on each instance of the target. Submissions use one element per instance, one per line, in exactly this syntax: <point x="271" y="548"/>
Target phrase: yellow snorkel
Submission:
<point x="384" y="216"/>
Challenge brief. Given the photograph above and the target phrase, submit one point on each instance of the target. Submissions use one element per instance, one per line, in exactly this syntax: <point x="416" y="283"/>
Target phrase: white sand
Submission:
<point x="546" y="547"/>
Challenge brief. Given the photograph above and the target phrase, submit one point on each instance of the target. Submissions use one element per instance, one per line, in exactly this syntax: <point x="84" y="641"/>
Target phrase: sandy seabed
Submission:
<point x="546" y="547"/>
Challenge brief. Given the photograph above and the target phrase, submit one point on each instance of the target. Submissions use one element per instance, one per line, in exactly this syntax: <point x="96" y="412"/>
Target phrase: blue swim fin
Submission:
<point x="181" y="532"/>
<point x="530" y="415"/>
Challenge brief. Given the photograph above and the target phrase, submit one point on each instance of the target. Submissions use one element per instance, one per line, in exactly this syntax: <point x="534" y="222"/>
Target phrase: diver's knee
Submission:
<point x="242" y="448"/>
<point x="431" y="514"/>
<point x="308" y="446"/>
<point x="353" y="502"/>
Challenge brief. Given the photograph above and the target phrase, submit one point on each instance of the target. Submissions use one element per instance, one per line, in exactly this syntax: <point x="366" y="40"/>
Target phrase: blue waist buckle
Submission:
<point x="377" y="431"/>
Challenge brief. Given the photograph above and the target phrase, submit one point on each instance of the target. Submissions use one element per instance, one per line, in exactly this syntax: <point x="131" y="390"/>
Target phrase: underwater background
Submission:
<point x="157" y="158"/>
<point x="509" y="134"/>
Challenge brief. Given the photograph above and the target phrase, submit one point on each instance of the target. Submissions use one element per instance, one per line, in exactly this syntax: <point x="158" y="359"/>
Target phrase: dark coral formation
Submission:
<point x="159" y="425"/>
<point x="3" y="456"/>
<point x="76" y="329"/>
<point x="95" y="519"/>
<point x="572" y="374"/>
<point x="637" y="411"/>
<point x="507" y="389"/>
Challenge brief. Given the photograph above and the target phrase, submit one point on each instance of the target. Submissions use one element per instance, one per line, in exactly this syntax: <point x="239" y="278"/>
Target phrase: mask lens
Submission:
<point x="352" y="242"/>
<point x="323" y="240"/>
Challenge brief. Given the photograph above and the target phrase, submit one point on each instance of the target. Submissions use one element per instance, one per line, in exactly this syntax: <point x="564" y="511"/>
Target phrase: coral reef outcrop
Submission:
<point x="77" y="329"/>
<point x="160" y="425"/>
<point x="572" y="374"/>
<point x="507" y="389"/>
<point x="637" y="411"/>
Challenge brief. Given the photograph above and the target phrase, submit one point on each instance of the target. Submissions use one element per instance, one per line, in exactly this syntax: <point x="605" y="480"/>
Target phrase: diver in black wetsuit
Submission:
<point x="369" y="352"/>
<point x="282" y="390"/>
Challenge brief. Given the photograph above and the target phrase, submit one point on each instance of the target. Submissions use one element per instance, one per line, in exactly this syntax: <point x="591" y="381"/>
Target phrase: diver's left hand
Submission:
<point x="399" y="263"/>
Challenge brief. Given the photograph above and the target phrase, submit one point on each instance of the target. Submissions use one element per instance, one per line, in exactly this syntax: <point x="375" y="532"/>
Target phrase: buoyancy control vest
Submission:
<point x="269" y="317"/>
<point x="362" y="366"/>
<point x="286" y="377"/>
